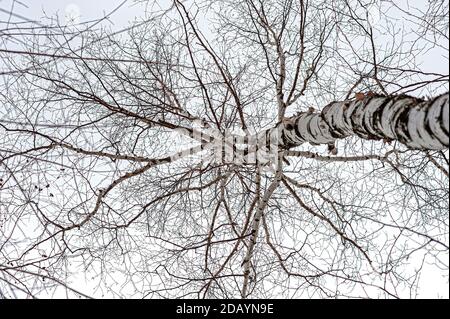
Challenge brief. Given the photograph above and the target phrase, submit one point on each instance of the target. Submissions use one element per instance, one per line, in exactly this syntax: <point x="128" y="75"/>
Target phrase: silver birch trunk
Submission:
<point x="416" y="123"/>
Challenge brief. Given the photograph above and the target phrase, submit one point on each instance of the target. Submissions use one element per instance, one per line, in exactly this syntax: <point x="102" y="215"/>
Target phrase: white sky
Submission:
<point x="84" y="10"/>
<point x="129" y="10"/>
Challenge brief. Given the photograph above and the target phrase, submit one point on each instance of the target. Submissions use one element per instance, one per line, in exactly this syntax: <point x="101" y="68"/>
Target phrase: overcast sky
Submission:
<point x="126" y="11"/>
<point x="67" y="10"/>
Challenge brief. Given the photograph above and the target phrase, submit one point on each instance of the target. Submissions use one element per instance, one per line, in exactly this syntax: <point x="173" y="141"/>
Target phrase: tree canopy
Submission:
<point x="227" y="149"/>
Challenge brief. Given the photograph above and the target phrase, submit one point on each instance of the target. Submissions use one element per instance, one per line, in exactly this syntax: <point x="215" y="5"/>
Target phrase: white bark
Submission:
<point x="416" y="123"/>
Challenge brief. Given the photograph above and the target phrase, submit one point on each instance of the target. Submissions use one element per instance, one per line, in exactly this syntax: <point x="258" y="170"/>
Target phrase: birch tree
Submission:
<point x="227" y="149"/>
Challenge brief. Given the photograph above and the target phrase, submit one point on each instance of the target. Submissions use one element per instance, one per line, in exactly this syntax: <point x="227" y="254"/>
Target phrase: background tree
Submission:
<point x="191" y="155"/>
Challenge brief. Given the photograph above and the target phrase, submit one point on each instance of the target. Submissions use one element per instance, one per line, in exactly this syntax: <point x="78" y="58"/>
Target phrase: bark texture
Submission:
<point x="418" y="124"/>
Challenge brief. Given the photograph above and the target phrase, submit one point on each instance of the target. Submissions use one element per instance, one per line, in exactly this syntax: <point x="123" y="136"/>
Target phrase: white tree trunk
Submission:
<point x="416" y="123"/>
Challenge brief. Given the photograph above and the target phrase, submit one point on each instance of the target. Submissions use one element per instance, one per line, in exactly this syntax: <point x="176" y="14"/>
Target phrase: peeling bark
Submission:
<point x="416" y="123"/>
